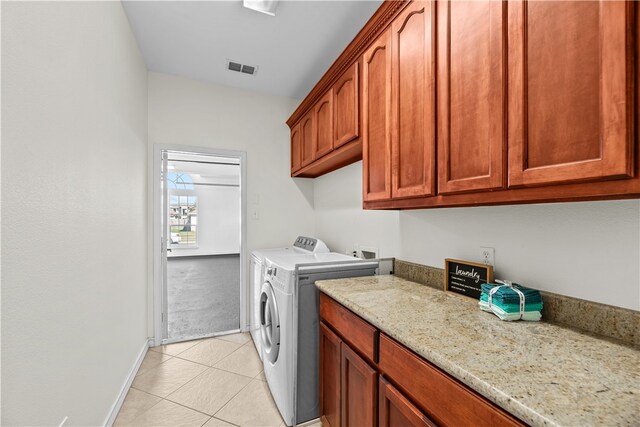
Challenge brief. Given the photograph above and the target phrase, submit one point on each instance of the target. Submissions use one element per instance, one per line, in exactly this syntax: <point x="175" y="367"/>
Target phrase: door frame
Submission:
<point x="159" y="322"/>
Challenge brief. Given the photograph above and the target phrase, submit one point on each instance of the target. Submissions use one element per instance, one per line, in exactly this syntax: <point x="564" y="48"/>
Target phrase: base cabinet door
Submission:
<point x="359" y="390"/>
<point x="329" y="377"/>
<point x="570" y="91"/>
<point x="395" y="410"/>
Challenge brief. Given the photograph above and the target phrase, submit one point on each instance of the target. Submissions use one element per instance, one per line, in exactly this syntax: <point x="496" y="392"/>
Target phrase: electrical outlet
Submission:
<point x="487" y="256"/>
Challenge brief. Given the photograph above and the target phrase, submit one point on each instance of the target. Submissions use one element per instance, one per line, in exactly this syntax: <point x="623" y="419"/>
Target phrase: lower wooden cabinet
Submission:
<point x="358" y="390"/>
<point x="348" y="384"/>
<point x="329" y="377"/>
<point x="444" y="399"/>
<point x="395" y="410"/>
<point x="395" y="387"/>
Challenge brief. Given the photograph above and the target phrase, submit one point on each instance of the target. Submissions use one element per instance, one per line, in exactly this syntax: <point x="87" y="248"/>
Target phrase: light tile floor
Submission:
<point x="210" y="382"/>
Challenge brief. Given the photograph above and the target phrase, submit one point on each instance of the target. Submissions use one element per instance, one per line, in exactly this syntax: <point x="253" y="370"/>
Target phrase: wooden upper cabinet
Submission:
<point x="296" y="148"/>
<point x="346" y="118"/>
<point x="413" y="101"/>
<point x="324" y="125"/>
<point x="329" y="377"/>
<point x="570" y="91"/>
<point x="376" y="120"/>
<point x="308" y="138"/>
<point x="471" y="95"/>
<point x="359" y="390"/>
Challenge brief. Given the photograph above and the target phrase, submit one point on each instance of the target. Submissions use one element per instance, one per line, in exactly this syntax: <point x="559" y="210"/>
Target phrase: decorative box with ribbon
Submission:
<point x="511" y="301"/>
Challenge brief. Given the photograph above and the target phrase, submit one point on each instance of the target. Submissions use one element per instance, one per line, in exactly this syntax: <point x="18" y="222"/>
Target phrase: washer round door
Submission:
<point x="269" y="323"/>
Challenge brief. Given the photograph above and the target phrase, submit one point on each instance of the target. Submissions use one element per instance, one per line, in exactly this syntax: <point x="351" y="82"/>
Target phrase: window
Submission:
<point x="179" y="181"/>
<point x="183" y="220"/>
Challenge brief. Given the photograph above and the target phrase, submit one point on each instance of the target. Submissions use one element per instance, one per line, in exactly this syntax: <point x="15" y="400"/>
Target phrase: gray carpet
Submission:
<point x="203" y="295"/>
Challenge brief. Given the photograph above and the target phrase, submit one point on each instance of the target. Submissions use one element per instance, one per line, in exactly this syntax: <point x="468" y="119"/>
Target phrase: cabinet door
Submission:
<point x="308" y="136"/>
<point x="329" y="377"/>
<point x="346" y="108"/>
<point x="376" y="120"/>
<point x="296" y="145"/>
<point x="395" y="410"/>
<point x="471" y="95"/>
<point x="359" y="390"/>
<point x="324" y="125"/>
<point x="570" y="89"/>
<point x="413" y="101"/>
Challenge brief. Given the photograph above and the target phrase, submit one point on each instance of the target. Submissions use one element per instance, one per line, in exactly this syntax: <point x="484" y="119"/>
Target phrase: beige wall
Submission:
<point x="588" y="250"/>
<point x="74" y="146"/>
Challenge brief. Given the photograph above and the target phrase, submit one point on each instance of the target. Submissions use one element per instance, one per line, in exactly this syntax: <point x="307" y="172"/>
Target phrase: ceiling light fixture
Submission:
<point x="264" y="6"/>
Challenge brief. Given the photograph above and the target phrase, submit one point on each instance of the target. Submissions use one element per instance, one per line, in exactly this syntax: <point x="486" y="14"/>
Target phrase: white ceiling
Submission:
<point x="292" y="50"/>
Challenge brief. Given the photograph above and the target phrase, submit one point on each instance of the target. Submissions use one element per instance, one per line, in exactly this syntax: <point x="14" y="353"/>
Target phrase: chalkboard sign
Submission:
<point x="466" y="278"/>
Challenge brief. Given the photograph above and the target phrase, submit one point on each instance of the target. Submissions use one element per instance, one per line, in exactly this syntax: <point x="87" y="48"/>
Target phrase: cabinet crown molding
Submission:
<point x="372" y="29"/>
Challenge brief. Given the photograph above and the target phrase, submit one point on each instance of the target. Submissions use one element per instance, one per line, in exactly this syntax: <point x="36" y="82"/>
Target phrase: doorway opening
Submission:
<point x="199" y="223"/>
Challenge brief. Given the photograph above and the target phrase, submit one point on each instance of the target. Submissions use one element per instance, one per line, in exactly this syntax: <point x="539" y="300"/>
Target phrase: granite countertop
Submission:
<point x="542" y="373"/>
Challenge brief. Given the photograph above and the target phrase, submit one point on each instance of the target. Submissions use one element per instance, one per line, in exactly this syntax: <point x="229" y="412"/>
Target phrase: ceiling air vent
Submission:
<point x="241" y="68"/>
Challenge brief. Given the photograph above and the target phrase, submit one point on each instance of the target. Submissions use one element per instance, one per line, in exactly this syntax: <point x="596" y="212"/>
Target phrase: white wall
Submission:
<point x="588" y="250"/>
<point x="218" y="230"/>
<point x="74" y="141"/>
<point x="192" y="113"/>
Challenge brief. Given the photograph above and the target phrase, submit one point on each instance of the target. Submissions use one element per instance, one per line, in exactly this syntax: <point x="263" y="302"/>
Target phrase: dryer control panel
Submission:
<point x="310" y="244"/>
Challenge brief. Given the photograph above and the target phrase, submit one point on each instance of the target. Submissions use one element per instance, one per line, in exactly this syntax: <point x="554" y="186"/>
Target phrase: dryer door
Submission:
<point x="269" y="323"/>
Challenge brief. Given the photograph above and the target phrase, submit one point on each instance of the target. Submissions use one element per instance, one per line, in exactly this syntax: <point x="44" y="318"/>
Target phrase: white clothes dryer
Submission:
<point x="302" y="245"/>
<point x="289" y="326"/>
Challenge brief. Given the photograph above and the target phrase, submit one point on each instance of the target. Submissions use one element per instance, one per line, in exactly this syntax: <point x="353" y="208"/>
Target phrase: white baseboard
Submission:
<point x="125" y="387"/>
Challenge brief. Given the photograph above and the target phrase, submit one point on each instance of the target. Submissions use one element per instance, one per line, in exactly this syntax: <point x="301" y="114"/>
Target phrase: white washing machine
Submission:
<point x="302" y="245"/>
<point x="289" y="326"/>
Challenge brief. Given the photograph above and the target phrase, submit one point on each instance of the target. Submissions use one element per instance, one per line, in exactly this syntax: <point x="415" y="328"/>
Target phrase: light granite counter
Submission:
<point x="544" y="374"/>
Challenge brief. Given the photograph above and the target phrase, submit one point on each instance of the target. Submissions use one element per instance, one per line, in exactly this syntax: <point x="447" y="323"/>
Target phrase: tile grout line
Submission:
<point x="174" y="391"/>
<point x="171" y="401"/>
<point x="165" y="398"/>
<point x="193" y="409"/>
<point x="228" y="401"/>
<point x="153" y="367"/>
<point x="214" y="367"/>
<point x="204" y="413"/>
<point x="170" y="356"/>
<point x="158" y="348"/>
<point x="228" y="422"/>
<point x="188" y="407"/>
<point x="143" y="412"/>
<point x="202" y="373"/>
<point x="198" y="342"/>
<point x="177" y="356"/>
